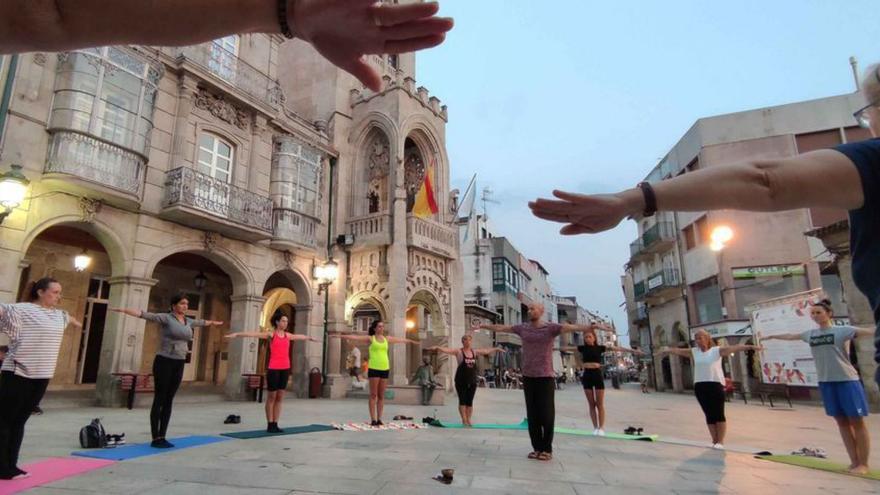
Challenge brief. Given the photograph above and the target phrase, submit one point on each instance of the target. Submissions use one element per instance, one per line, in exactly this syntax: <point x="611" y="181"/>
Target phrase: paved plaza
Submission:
<point x="485" y="461"/>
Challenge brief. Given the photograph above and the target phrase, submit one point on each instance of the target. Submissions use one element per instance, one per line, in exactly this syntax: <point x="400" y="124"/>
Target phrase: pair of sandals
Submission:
<point x="232" y="419"/>
<point x="633" y="431"/>
<point x="540" y="456"/>
<point x="401" y="417"/>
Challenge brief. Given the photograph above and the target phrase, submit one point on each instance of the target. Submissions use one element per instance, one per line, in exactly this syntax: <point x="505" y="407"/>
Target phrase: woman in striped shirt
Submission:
<point x="35" y="330"/>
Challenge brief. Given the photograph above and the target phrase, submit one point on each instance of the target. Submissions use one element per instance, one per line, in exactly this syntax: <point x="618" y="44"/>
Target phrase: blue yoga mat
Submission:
<point x="292" y="430"/>
<point x="142" y="450"/>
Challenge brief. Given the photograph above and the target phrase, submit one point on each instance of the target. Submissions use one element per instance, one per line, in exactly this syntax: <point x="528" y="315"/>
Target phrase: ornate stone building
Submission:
<point x="195" y="170"/>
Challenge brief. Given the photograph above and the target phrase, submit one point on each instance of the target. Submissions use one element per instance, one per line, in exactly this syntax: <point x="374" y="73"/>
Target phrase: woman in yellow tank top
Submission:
<point x="379" y="365"/>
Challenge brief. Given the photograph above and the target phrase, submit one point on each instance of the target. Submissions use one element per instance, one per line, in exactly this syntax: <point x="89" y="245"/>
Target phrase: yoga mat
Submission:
<point x="523" y="425"/>
<point x="615" y="436"/>
<point x="817" y="463"/>
<point x="367" y="427"/>
<point x="143" y="450"/>
<point x="293" y="430"/>
<point x="51" y="470"/>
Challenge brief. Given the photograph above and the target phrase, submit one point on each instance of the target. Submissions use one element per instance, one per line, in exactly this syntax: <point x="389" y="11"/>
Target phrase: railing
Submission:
<point x="186" y="187"/>
<point x="639" y="289"/>
<point x="636" y="247"/>
<point x="663" y="279"/>
<point x="235" y="71"/>
<point x="89" y="158"/>
<point x="430" y="235"/>
<point x="659" y="231"/>
<point x="290" y="225"/>
<point x="373" y="228"/>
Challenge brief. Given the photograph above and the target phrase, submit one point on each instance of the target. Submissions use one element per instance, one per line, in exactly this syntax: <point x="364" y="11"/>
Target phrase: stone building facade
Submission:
<point x="195" y="170"/>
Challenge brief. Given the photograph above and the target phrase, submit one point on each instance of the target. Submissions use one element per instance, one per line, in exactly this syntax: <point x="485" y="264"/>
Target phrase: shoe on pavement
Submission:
<point x="600" y="432"/>
<point x="718" y="446"/>
<point x="596" y="432"/>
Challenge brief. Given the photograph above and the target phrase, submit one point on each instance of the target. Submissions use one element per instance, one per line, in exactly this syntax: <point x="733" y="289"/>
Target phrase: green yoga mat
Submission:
<point x="293" y="430"/>
<point x="817" y="463"/>
<point x="615" y="436"/>
<point x="523" y="425"/>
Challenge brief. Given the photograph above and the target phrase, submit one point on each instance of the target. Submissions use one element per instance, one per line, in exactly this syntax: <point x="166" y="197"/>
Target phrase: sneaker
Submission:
<point x="718" y="446"/>
<point x="109" y="441"/>
<point x="600" y="432"/>
<point x="120" y="439"/>
<point x="161" y="444"/>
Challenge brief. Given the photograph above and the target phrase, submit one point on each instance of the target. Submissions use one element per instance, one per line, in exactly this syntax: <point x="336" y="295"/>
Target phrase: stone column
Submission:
<point x="398" y="267"/>
<point x="242" y="353"/>
<point x="180" y="153"/>
<point x="675" y="366"/>
<point x="123" y="342"/>
<point x="303" y="325"/>
<point x="260" y="125"/>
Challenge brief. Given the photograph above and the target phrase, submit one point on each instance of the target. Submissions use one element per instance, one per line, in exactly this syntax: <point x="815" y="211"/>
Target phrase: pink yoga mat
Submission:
<point x="50" y="470"/>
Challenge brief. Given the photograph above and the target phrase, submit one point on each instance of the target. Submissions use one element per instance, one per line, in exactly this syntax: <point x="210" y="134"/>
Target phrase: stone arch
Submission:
<point x="425" y="136"/>
<point x="361" y="298"/>
<point x="376" y="128"/>
<point x="296" y="280"/>
<point x="428" y="298"/>
<point x="238" y="272"/>
<point x="113" y="244"/>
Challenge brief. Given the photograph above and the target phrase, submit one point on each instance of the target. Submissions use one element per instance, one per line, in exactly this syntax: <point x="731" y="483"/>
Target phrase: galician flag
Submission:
<point x="425" y="204"/>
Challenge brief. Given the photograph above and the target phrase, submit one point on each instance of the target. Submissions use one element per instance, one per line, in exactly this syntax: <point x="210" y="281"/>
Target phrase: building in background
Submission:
<point x="675" y="284"/>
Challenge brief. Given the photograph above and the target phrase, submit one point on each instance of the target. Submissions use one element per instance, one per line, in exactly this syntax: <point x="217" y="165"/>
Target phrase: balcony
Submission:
<point x="233" y="71"/>
<point x="293" y="231"/>
<point x="657" y="239"/>
<point x="664" y="284"/>
<point x="640" y="315"/>
<point x="199" y="200"/>
<point x="370" y="230"/>
<point x="431" y="236"/>
<point x="639" y="290"/>
<point x="84" y="164"/>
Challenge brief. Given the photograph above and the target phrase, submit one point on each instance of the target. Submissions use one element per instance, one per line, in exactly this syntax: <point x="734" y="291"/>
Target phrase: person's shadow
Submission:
<point x="704" y="472"/>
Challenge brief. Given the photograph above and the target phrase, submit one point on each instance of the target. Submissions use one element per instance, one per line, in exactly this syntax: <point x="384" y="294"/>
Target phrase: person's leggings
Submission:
<point x="710" y="395"/>
<point x="541" y="411"/>
<point x="18" y="396"/>
<point x="167" y="374"/>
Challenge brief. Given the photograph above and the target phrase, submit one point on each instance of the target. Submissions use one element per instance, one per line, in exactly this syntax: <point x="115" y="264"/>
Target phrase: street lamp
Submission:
<point x="325" y="274"/>
<point x="82" y="261"/>
<point x="200" y="281"/>
<point x="13" y="186"/>
<point x="720" y="236"/>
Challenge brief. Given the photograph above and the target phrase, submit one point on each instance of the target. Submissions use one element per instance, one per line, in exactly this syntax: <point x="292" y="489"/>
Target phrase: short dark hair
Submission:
<point x="178" y="297"/>
<point x="276" y="317"/>
<point x="36" y="286"/>
<point x="372" y="329"/>
<point x="4" y="348"/>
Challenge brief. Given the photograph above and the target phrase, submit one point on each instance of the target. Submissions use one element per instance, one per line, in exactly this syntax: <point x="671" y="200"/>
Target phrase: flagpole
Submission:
<point x="463" y="197"/>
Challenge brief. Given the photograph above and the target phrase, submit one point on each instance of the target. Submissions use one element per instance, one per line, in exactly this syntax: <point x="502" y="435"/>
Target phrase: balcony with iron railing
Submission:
<point x="657" y="238"/>
<point x="373" y="229"/>
<point x="293" y="230"/>
<point x="207" y="203"/>
<point x="663" y="284"/>
<point x="431" y="236"/>
<point x="639" y="289"/>
<point x="227" y="67"/>
<point x="85" y="164"/>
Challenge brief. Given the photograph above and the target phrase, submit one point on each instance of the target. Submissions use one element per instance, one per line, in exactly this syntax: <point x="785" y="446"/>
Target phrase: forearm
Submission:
<point x="57" y="25"/>
<point x="783" y="336"/>
<point x="496" y="328"/>
<point x="130" y="312"/>
<point x="248" y="334"/>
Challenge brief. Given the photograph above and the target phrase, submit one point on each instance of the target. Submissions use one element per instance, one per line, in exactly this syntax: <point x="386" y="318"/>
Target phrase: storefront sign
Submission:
<point x="768" y="271"/>
<point x="730" y="328"/>
<point x="655" y="282"/>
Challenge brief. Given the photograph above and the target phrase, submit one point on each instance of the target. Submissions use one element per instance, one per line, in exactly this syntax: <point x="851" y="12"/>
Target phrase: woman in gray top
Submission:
<point x="177" y="333"/>
<point x="842" y="392"/>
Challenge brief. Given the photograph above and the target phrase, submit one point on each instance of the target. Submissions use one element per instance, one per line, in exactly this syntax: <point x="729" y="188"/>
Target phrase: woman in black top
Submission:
<point x="592" y="379"/>
<point x="466" y="374"/>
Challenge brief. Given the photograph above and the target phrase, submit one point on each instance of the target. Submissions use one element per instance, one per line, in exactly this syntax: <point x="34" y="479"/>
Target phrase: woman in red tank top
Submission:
<point x="279" y="364"/>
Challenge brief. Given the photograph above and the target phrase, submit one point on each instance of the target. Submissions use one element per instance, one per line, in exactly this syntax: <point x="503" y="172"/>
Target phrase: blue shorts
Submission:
<point x="845" y="399"/>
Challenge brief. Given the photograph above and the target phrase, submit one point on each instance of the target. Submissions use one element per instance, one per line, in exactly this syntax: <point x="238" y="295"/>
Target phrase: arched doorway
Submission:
<point x="662" y="340"/>
<point x="86" y="293"/>
<point x="288" y="292"/>
<point x="681" y="340"/>
<point x="425" y="323"/>
<point x="208" y="289"/>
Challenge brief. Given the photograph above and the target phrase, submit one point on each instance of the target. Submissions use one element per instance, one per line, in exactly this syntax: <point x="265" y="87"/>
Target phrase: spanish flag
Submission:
<point x="425" y="204"/>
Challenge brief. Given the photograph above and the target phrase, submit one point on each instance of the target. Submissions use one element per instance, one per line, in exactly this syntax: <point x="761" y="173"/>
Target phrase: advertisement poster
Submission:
<point x="784" y="361"/>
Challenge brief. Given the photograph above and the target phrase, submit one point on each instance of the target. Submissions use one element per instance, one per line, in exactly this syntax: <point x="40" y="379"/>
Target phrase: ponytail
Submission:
<point x="34" y="288"/>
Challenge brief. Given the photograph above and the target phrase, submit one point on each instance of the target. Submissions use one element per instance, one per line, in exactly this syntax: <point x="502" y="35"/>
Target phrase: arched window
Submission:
<point x="215" y="157"/>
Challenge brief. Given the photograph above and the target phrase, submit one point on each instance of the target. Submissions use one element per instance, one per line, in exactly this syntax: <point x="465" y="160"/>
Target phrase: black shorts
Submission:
<point x="277" y="380"/>
<point x="371" y="373"/>
<point x="710" y="395"/>
<point x="466" y="392"/>
<point x="592" y="378"/>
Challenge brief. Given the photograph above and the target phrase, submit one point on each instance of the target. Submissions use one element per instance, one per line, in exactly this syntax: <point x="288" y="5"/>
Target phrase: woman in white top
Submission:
<point x="35" y="330"/>
<point x="709" y="380"/>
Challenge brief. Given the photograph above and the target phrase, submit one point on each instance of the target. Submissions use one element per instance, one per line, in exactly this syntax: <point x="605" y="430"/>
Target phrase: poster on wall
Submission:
<point x="784" y="361"/>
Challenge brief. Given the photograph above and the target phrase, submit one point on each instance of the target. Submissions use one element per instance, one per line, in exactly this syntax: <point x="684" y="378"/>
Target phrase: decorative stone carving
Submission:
<point x="40" y="59"/>
<point x="379" y="157"/>
<point x="221" y="109"/>
<point x="288" y="259"/>
<point x="89" y="208"/>
<point x="210" y="240"/>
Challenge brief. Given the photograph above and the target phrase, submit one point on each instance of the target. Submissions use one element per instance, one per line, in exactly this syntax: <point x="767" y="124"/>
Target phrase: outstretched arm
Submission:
<point x="351" y="337"/>
<point x="294" y="336"/>
<point x="340" y="30"/>
<point x="398" y="340"/>
<point x="257" y="334"/>
<point x="686" y="353"/>
<point x="567" y="348"/>
<point x="444" y="350"/>
<point x="210" y="323"/>
<point x="73" y="321"/>
<point x="130" y="312"/>
<point x="865" y="332"/>
<point x="488" y="351"/>
<point x="783" y="336"/>
<point x="728" y="350"/>
<point x="624" y="349"/>
<point x="494" y="328"/>
<point x="819" y="178"/>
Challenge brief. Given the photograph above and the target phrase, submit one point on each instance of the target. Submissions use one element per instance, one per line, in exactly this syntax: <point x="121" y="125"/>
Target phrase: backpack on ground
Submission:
<point x="93" y="436"/>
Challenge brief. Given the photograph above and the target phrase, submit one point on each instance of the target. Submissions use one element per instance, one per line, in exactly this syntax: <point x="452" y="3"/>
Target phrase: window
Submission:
<point x="505" y="277"/>
<point x="224" y="57"/>
<point x="297" y="176"/>
<point x="215" y="157"/>
<point x="707" y="299"/>
<point x="690" y="239"/>
<point x="750" y="290"/>
<point x="106" y="92"/>
<point x="702" y="232"/>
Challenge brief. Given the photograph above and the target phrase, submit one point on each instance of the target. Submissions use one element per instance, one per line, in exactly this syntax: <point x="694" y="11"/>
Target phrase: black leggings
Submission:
<point x="466" y="391"/>
<point x="710" y="395"/>
<point x="18" y="396"/>
<point x="541" y="411"/>
<point x="167" y="375"/>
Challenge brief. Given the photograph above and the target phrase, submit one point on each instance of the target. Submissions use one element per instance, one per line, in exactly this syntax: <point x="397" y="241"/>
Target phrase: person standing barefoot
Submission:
<point x="278" y="371"/>
<point x="466" y="374"/>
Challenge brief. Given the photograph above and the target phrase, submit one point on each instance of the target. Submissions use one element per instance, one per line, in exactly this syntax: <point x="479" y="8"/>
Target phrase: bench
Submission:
<point x="134" y="383"/>
<point x="736" y="388"/>
<point x="769" y="390"/>
<point x="411" y="395"/>
<point x="255" y="382"/>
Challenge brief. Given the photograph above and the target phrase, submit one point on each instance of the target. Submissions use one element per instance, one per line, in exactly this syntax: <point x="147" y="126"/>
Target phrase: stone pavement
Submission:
<point x="485" y="461"/>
